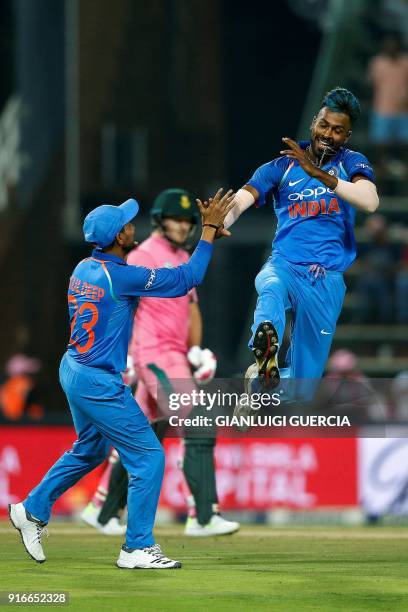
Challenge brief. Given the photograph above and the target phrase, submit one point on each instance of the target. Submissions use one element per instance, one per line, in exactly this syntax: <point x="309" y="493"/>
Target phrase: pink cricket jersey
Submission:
<point x="161" y="324"/>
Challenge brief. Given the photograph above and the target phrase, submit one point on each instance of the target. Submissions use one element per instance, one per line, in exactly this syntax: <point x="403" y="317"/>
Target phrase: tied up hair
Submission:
<point x="341" y="100"/>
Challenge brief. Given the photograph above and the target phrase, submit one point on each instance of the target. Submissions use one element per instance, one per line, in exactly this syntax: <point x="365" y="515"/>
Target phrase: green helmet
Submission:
<point x="174" y="203"/>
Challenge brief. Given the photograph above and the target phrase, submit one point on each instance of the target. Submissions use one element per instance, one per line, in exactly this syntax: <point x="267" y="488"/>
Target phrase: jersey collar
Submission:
<point x="100" y="256"/>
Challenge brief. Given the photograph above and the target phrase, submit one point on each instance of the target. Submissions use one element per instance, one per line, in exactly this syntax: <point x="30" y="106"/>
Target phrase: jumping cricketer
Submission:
<point x="316" y="187"/>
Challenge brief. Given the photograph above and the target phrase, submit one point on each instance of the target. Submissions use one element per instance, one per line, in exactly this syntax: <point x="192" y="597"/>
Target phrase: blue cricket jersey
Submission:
<point x="103" y="295"/>
<point x="314" y="224"/>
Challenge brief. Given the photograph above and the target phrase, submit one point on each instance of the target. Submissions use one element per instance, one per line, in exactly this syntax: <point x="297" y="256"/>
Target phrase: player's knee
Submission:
<point x="91" y="452"/>
<point x="150" y="470"/>
<point x="100" y="452"/>
<point x="268" y="282"/>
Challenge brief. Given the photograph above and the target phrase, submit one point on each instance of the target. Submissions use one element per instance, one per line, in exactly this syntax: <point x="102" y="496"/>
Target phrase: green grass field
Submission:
<point x="260" y="568"/>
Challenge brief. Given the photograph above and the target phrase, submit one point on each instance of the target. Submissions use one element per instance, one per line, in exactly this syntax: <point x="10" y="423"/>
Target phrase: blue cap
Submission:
<point x="103" y="223"/>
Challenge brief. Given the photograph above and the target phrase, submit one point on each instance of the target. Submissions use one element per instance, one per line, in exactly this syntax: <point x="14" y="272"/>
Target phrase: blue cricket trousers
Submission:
<point x="316" y="305"/>
<point x="104" y="414"/>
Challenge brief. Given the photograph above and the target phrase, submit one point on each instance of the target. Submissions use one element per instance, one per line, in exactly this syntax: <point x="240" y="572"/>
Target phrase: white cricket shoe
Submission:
<point x="90" y="515"/>
<point x="112" y="527"/>
<point x="31" y="531"/>
<point x="151" y="557"/>
<point x="216" y="526"/>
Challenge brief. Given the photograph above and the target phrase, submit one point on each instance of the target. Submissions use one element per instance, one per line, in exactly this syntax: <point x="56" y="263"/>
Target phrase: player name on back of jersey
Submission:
<point x="91" y="292"/>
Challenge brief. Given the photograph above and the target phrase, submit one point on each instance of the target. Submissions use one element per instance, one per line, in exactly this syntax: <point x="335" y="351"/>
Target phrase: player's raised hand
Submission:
<point x="296" y="152"/>
<point x="214" y="210"/>
<point x="221" y="231"/>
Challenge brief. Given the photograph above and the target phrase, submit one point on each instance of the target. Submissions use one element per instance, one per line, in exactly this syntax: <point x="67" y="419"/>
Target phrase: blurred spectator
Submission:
<point x="394" y="16"/>
<point x="401" y="289"/>
<point x="388" y="75"/>
<point x="379" y="259"/>
<point x="346" y="390"/>
<point x="19" y="394"/>
<point x="399" y="394"/>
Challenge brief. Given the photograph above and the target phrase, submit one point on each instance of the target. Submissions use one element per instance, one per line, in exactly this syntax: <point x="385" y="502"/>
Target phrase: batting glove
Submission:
<point x="205" y="363"/>
<point x="129" y="375"/>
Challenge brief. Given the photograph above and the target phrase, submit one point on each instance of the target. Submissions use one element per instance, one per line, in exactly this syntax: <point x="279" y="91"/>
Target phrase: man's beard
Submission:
<point x="324" y="153"/>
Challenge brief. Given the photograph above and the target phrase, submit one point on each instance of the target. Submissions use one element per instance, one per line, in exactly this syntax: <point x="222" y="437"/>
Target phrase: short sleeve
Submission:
<point x="357" y="163"/>
<point x="266" y="178"/>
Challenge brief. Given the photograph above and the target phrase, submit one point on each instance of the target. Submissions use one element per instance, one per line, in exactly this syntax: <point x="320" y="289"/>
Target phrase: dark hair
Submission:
<point x="340" y="100"/>
<point x="112" y="244"/>
<point x="108" y="247"/>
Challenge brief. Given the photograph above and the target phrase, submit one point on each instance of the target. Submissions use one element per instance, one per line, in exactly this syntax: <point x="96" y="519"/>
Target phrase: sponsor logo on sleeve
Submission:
<point x="151" y="279"/>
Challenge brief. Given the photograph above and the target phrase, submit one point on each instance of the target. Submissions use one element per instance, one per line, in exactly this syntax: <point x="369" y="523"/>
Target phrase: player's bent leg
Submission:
<point x="269" y="323"/>
<point x="273" y="299"/>
<point x="264" y="372"/>
<point x="314" y="327"/>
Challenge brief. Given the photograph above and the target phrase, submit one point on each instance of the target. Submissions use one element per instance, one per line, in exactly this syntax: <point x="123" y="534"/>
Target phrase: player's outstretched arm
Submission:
<point x="173" y="282"/>
<point x="213" y="213"/>
<point x="244" y="198"/>
<point x="360" y="192"/>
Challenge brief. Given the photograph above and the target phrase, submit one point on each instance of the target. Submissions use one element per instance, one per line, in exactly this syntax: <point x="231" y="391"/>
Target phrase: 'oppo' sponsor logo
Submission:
<point x="309" y="193"/>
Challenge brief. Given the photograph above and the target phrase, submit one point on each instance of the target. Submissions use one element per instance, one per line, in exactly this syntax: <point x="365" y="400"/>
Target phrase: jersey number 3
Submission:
<point x="87" y="326"/>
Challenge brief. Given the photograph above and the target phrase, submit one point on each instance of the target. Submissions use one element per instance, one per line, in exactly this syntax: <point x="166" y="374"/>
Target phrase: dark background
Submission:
<point x="171" y="93"/>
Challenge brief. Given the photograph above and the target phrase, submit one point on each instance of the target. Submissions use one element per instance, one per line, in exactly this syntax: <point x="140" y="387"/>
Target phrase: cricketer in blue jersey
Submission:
<point x="102" y="296"/>
<point x="316" y="187"/>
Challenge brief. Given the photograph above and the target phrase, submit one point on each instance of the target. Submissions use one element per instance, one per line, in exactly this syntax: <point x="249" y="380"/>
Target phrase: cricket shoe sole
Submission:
<point x="31" y="531"/>
<point x="265" y="349"/>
